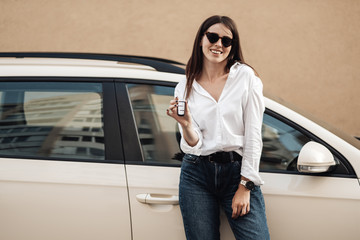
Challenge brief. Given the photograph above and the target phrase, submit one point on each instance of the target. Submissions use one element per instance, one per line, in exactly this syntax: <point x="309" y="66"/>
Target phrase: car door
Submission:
<point x="61" y="165"/>
<point x="153" y="159"/>
<point x="305" y="206"/>
<point x="152" y="174"/>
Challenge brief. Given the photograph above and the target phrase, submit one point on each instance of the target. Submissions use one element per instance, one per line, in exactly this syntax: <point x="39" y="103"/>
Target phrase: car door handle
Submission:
<point x="163" y="199"/>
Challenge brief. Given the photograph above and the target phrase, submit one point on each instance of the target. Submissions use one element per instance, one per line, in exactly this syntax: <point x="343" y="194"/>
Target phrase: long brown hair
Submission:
<point x="195" y="63"/>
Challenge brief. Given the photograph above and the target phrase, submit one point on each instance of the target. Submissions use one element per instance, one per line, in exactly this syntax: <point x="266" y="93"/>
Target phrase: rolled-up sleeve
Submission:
<point x="253" y="118"/>
<point x="186" y="148"/>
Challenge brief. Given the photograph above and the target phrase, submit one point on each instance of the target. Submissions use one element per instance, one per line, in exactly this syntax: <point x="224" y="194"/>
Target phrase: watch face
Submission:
<point x="250" y="185"/>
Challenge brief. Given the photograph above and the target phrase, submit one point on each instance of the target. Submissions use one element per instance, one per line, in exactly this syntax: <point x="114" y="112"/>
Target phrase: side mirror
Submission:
<point x="315" y="158"/>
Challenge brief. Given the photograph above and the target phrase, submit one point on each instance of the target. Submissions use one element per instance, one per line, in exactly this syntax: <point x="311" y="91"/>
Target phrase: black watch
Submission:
<point x="248" y="184"/>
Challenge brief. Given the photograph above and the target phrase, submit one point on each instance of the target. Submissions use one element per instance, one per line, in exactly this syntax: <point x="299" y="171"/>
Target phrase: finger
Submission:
<point x="172" y="104"/>
<point x="170" y="112"/>
<point x="234" y="213"/>
<point x="237" y="210"/>
<point x="243" y="211"/>
<point x="172" y="107"/>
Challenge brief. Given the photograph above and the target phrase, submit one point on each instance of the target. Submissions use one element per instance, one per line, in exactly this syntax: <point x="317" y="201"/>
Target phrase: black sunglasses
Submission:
<point x="214" y="37"/>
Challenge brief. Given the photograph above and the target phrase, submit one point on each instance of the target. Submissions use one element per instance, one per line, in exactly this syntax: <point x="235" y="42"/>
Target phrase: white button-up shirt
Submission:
<point x="231" y="124"/>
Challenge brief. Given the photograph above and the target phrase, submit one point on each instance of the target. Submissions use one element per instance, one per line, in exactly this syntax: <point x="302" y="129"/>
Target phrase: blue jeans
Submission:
<point x="204" y="187"/>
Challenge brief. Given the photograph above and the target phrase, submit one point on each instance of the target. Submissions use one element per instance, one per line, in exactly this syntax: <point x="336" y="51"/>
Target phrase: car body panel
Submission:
<point x="162" y="221"/>
<point x="63" y="200"/>
<point x="311" y="207"/>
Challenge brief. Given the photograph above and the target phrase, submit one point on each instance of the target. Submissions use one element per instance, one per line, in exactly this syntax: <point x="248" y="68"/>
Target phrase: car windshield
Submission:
<point x="345" y="136"/>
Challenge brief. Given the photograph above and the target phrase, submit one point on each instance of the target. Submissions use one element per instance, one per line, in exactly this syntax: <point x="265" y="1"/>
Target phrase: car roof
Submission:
<point x="159" y="64"/>
<point x="89" y="65"/>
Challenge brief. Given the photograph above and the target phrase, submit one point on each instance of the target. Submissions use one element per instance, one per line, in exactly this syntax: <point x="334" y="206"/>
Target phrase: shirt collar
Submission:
<point x="233" y="68"/>
<point x="197" y="87"/>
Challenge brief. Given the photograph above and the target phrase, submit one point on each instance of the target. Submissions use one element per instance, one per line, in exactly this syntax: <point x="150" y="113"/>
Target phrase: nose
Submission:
<point x="219" y="42"/>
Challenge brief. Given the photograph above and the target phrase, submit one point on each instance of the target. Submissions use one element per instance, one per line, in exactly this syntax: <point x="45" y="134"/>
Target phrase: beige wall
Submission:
<point x="307" y="51"/>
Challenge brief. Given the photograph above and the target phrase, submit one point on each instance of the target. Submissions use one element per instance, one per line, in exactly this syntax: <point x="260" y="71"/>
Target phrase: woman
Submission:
<point x="221" y="136"/>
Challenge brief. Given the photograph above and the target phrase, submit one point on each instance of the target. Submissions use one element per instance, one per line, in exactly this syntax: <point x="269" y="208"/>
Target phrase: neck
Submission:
<point x="212" y="71"/>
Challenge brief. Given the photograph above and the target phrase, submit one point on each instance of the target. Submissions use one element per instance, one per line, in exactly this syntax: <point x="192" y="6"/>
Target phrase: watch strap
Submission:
<point x="247" y="184"/>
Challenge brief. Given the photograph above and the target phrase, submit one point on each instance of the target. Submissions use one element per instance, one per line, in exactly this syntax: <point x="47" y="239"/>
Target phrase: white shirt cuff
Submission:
<point x="186" y="148"/>
<point x="249" y="172"/>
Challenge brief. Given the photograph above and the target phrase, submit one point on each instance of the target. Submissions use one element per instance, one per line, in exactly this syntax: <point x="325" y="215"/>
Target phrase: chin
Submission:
<point x="218" y="60"/>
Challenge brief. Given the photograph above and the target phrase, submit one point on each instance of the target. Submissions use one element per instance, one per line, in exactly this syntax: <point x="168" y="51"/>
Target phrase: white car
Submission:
<point x="88" y="152"/>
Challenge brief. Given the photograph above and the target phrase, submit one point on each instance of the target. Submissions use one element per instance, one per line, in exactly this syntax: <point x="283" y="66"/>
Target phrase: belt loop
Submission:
<point x="210" y="158"/>
<point x="231" y="156"/>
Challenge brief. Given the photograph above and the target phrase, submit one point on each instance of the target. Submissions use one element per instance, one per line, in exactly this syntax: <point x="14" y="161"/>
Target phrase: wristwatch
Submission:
<point x="248" y="184"/>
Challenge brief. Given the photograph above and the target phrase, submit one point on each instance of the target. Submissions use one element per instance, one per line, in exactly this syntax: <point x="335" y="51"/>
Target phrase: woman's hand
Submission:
<point x="185" y="121"/>
<point x="189" y="134"/>
<point x="241" y="202"/>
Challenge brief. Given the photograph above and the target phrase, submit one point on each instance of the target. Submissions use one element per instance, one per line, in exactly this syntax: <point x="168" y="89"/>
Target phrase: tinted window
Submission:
<point x="51" y="120"/>
<point x="281" y="145"/>
<point x="158" y="133"/>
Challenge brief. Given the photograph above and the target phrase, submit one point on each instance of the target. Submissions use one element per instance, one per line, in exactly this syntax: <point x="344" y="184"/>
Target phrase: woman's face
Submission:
<point x="216" y="52"/>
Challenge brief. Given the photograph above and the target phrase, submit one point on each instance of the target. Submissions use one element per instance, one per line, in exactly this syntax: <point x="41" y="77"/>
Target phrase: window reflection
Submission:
<point x="281" y="145"/>
<point x="157" y="132"/>
<point x="51" y="123"/>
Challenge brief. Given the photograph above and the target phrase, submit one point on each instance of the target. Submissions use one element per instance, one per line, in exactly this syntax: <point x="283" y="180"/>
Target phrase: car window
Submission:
<point x="158" y="133"/>
<point x="281" y="145"/>
<point x="52" y="120"/>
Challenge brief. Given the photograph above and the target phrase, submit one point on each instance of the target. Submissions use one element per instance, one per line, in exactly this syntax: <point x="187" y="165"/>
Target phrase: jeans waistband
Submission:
<point x="223" y="157"/>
